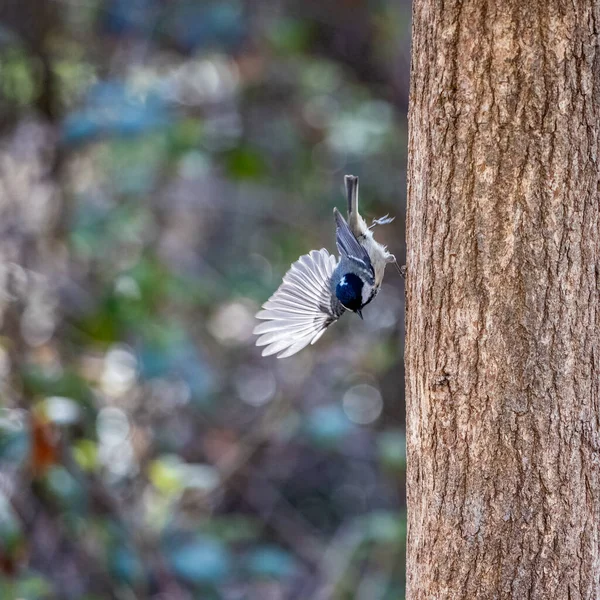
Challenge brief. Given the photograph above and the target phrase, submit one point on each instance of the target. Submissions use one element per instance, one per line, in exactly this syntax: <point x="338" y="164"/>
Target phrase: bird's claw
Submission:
<point x="401" y="269"/>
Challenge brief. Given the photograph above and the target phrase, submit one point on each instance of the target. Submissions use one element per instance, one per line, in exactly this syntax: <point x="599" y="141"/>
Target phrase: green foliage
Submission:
<point x="290" y="36"/>
<point x="385" y="527"/>
<point x="39" y="382"/>
<point x="18" y="81"/>
<point x="391" y="445"/>
<point x="29" y="586"/>
<point x="11" y="533"/>
<point x="245" y="163"/>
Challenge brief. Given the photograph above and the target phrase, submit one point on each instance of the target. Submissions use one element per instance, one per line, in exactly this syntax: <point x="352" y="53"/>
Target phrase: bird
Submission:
<point x="318" y="288"/>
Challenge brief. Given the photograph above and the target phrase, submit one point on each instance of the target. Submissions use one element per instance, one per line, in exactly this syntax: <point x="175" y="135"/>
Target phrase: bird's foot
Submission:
<point x="401" y="269"/>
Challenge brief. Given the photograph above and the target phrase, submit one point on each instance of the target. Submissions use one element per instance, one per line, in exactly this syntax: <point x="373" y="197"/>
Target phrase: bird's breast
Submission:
<point x="378" y="255"/>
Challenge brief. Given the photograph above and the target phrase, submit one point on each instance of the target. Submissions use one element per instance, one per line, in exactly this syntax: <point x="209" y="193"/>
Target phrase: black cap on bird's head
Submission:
<point x="349" y="292"/>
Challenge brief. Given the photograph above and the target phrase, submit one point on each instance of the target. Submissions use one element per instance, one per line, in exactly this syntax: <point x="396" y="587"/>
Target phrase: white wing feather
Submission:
<point x="298" y="313"/>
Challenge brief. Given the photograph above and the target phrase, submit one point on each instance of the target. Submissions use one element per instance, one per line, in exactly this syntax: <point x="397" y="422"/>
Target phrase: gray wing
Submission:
<point x="351" y="182"/>
<point x="350" y="247"/>
<point x="298" y="313"/>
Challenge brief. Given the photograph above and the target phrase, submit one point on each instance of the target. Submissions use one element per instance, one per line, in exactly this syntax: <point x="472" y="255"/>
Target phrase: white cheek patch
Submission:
<point x="367" y="290"/>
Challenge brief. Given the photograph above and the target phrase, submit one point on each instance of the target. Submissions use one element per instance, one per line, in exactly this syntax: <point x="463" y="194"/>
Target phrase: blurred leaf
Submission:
<point x="382" y="356"/>
<point x="321" y="76"/>
<point x="245" y="163"/>
<point x="18" y="81"/>
<point x="153" y="279"/>
<point x="68" y="384"/>
<point x="385" y="527"/>
<point x="203" y="561"/>
<point x="171" y="475"/>
<point x="185" y="135"/>
<point x="11" y="535"/>
<point x="85" y="453"/>
<point x="98" y="231"/>
<point x="290" y="36"/>
<point x="391" y="447"/>
<point x="75" y="77"/>
<point x="165" y="477"/>
<point x="135" y="168"/>
<point x="232" y="528"/>
<point x="101" y="326"/>
<point x="28" y="586"/>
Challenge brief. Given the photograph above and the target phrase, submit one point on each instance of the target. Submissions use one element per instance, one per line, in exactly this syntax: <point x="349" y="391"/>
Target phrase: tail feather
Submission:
<point x="351" y="182"/>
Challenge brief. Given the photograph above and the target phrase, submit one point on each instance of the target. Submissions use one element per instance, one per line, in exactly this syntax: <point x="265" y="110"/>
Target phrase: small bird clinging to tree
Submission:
<point x="318" y="289"/>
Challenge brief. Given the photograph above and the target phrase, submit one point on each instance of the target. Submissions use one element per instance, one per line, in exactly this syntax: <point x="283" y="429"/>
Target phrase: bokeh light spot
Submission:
<point x="363" y="404"/>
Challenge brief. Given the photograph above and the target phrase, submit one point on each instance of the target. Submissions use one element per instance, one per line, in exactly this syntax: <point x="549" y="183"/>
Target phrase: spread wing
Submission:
<point x="350" y="247"/>
<point x="298" y="313"/>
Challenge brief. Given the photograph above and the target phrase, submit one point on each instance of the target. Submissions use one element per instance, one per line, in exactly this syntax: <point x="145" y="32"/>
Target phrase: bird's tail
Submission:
<point x="352" y="193"/>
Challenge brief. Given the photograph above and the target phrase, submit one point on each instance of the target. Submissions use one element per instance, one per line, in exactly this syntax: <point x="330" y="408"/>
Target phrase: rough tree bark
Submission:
<point x="503" y="306"/>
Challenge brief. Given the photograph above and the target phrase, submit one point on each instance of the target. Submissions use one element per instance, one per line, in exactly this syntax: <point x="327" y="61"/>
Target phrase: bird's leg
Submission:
<point x="382" y="221"/>
<point x="401" y="269"/>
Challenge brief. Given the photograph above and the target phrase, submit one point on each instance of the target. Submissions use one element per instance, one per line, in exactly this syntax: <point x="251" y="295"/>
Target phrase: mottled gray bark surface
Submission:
<point x="503" y="317"/>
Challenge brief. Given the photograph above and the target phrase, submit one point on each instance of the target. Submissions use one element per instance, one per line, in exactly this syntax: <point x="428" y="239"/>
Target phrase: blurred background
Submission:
<point x="162" y="162"/>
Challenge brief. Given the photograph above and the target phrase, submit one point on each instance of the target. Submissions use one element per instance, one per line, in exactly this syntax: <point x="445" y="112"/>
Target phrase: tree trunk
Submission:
<point x="503" y="312"/>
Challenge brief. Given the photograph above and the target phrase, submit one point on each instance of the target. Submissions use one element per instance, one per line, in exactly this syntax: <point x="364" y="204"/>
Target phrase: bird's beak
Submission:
<point x="359" y="313"/>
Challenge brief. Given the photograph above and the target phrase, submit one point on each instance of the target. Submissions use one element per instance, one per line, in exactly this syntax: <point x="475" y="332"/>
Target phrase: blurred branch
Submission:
<point x="337" y="559"/>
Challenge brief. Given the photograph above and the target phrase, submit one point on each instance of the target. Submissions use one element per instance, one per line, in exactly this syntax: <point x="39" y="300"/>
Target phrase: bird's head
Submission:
<point x="349" y="291"/>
